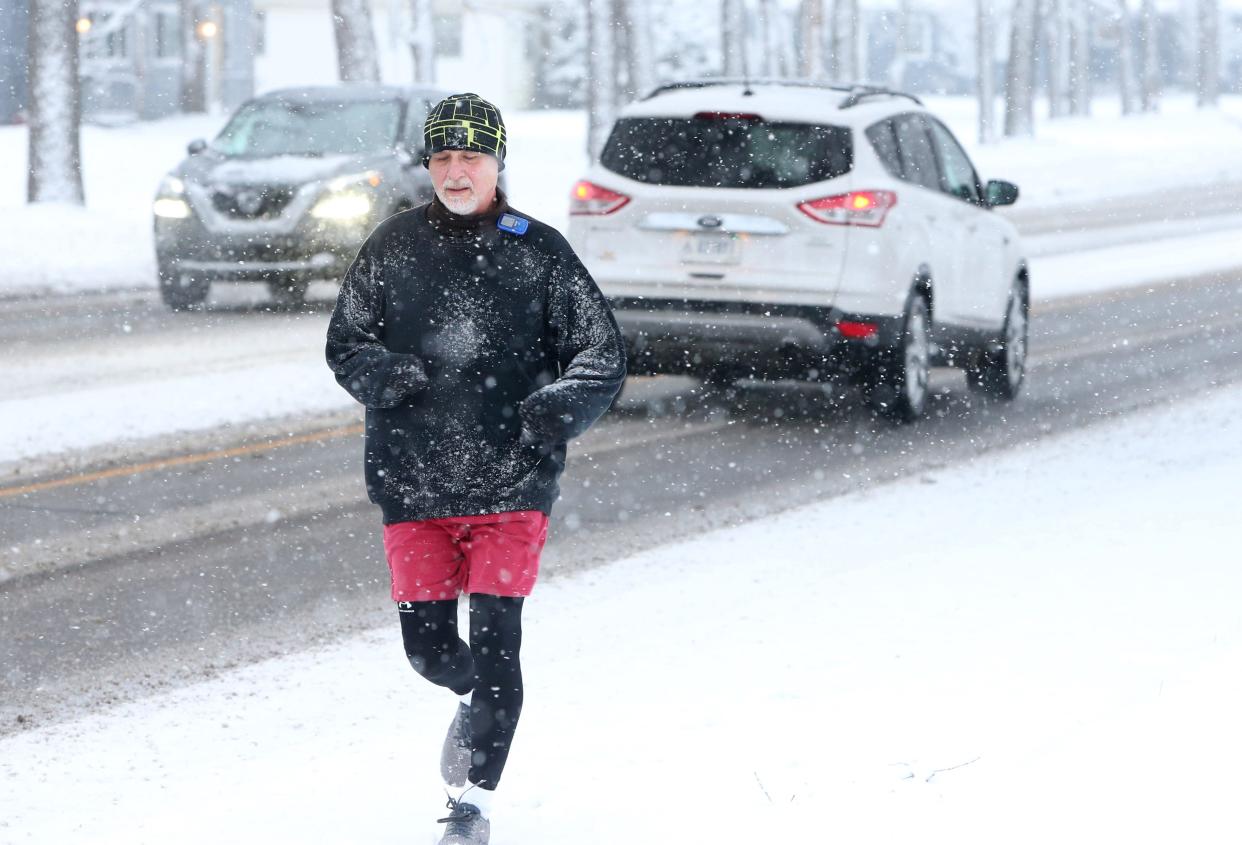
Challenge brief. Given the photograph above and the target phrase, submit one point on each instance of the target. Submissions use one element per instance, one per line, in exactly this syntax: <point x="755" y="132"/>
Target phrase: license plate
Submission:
<point x="713" y="249"/>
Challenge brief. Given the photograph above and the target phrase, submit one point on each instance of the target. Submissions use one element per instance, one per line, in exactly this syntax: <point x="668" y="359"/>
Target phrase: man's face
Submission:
<point x="465" y="180"/>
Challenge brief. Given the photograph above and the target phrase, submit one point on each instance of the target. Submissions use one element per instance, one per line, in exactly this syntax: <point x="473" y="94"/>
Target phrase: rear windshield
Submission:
<point x="275" y="127"/>
<point x="716" y="153"/>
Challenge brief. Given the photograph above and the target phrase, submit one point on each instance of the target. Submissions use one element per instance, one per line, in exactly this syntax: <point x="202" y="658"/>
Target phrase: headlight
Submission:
<point x="359" y="180"/>
<point x="348" y="197"/>
<point x="172" y="207"/>
<point x="342" y="207"/>
<point x="171" y="186"/>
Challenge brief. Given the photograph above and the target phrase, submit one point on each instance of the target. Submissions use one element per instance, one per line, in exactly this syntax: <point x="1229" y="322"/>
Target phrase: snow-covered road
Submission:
<point x="231" y="367"/>
<point x="1040" y="646"/>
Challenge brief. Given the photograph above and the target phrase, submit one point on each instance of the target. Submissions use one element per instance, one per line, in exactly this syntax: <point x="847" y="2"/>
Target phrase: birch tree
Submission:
<point x="601" y="81"/>
<point x="843" y="62"/>
<point x="1058" y="34"/>
<point x="54" y="171"/>
<point x="1125" y="60"/>
<point x="634" y="18"/>
<point x="355" y="41"/>
<point x="193" y="60"/>
<point x="1207" y="51"/>
<point x="811" y="27"/>
<point x="776" y="34"/>
<point x="1080" y="58"/>
<point x="733" y="38"/>
<point x="1020" y="70"/>
<point x="422" y="42"/>
<point x="768" y="60"/>
<point x="905" y="44"/>
<point x="984" y="52"/>
<point x="1149" y="85"/>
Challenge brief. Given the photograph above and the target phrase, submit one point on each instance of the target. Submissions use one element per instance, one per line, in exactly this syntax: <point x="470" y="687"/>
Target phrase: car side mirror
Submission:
<point x="409" y="156"/>
<point x="1000" y="192"/>
<point x="196" y="146"/>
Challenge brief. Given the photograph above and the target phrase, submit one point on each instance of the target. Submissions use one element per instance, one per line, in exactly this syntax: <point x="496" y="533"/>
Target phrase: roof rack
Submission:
<point x="855" y="93"/>
<point x="858" y="93"/>
<point x="726" y="80"/>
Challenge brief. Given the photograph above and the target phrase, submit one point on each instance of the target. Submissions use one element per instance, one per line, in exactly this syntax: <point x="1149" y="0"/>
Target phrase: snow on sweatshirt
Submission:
<point x="478" y="353"/>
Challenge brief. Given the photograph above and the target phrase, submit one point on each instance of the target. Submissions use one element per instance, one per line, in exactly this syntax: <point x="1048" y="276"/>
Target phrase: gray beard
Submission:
<point x="464" y="206"/>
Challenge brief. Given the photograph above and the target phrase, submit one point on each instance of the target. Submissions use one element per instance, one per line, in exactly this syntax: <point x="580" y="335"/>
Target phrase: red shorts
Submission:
<point x="494" y="554"/>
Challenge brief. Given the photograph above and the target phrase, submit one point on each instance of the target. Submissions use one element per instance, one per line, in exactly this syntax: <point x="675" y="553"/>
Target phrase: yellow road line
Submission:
<point x="181" y="460"/>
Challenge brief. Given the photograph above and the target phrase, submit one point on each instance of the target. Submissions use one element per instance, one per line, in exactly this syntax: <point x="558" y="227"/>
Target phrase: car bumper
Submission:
<point x="737" y="339"/>
<point x="322" y="252"/>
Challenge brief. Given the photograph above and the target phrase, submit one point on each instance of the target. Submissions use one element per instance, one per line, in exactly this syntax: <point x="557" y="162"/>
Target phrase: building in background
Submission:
<point x="481" y="46"/>
<point x="131" y="57"/>
<point x="14" y="25"/>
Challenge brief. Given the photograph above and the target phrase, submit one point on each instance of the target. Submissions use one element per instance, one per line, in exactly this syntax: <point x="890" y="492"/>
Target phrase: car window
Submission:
<point x="959" y="174"/>
<point x="884" y="142"/>
<point x="265" y="128"/>
<point x="726" y="153"/>
<point x="415" y="117"/>
<point x="918" y="159"/>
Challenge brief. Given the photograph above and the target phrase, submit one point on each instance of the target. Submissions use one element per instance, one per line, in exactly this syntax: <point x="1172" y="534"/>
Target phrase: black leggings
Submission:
<point x="489" y="666"/>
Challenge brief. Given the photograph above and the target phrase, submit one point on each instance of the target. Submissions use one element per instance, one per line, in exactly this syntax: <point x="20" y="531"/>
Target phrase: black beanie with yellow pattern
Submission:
<point x="464" y="122"/>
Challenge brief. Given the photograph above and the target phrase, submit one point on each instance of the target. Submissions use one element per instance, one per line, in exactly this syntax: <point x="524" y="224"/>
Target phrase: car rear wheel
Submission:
<point x="179" y="290"/>
<point x="288" y="293"/>
<point x="999" y="369"/>
<point x="896" y="383"/>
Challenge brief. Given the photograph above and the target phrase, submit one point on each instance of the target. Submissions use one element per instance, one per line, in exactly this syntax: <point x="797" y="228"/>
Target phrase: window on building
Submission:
<point x="260" y="32"/>
<point x="105" y="40"/>
<point x="448" y="35"/>
<point x="167" y="37"/>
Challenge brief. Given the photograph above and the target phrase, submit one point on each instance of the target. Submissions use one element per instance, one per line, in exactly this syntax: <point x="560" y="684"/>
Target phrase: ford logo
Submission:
<point x="710" y="221"/>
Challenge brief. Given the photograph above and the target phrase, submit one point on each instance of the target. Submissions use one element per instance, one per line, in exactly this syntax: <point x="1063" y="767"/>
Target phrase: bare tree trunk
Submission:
<point x="422" y="42"/>
<point x="844" y="58"/>
<point x="1125" y="60"/>
<point x="54" y="170"/>
<point x="1020" y="72"/>
<point x="1207" y="25"/>
<point x="768" y="59"/>
<point x="601" y="83"/>
<point x="897" y="70"/>
<point x="1149" y="89"/>
<point x="811" y="21"/>
<point x="355" y="41"/>
<point x="984" y="56"/>
<point x="635" y="17"/>
<point x="783" y="39"/>
<point x="193" y="60"/>
<point x="1080" y="58"/>
<point x="732" y="38"/>
<point x="1058" y="59"/>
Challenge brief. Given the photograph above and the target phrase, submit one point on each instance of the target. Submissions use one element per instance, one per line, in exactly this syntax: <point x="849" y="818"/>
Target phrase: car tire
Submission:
<point x="288" y="293"/>
<point x="999" y="369"/>
<point x="180" y="291"/>
<point x="896" y="384"/>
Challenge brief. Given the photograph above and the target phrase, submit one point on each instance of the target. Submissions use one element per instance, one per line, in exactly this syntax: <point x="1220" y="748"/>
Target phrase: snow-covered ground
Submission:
<point x="107" y="244"/>
<point x="1041" y="646"/>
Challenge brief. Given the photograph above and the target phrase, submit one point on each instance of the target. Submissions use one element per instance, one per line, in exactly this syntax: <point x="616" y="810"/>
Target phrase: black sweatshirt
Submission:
<point x="478" y="353"/>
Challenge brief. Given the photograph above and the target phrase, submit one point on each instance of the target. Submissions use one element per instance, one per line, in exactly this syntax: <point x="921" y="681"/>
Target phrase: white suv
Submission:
<point x="789" y="230"/>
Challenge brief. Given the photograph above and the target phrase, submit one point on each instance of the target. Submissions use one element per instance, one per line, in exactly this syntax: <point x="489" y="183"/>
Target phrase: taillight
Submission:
<point x="745" y="117"/>
<point x="857" y="208"/>
<point x="857" y="330"/>
<point x="589" y="198"/>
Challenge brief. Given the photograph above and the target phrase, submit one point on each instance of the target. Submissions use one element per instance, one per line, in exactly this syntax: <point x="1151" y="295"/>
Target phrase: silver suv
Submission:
<point x="788" y="230"/>
<point x="289" y="189"/>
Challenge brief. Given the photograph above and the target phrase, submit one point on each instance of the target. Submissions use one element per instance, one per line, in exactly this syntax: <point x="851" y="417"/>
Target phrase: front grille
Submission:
<point x="252" y="202"/>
